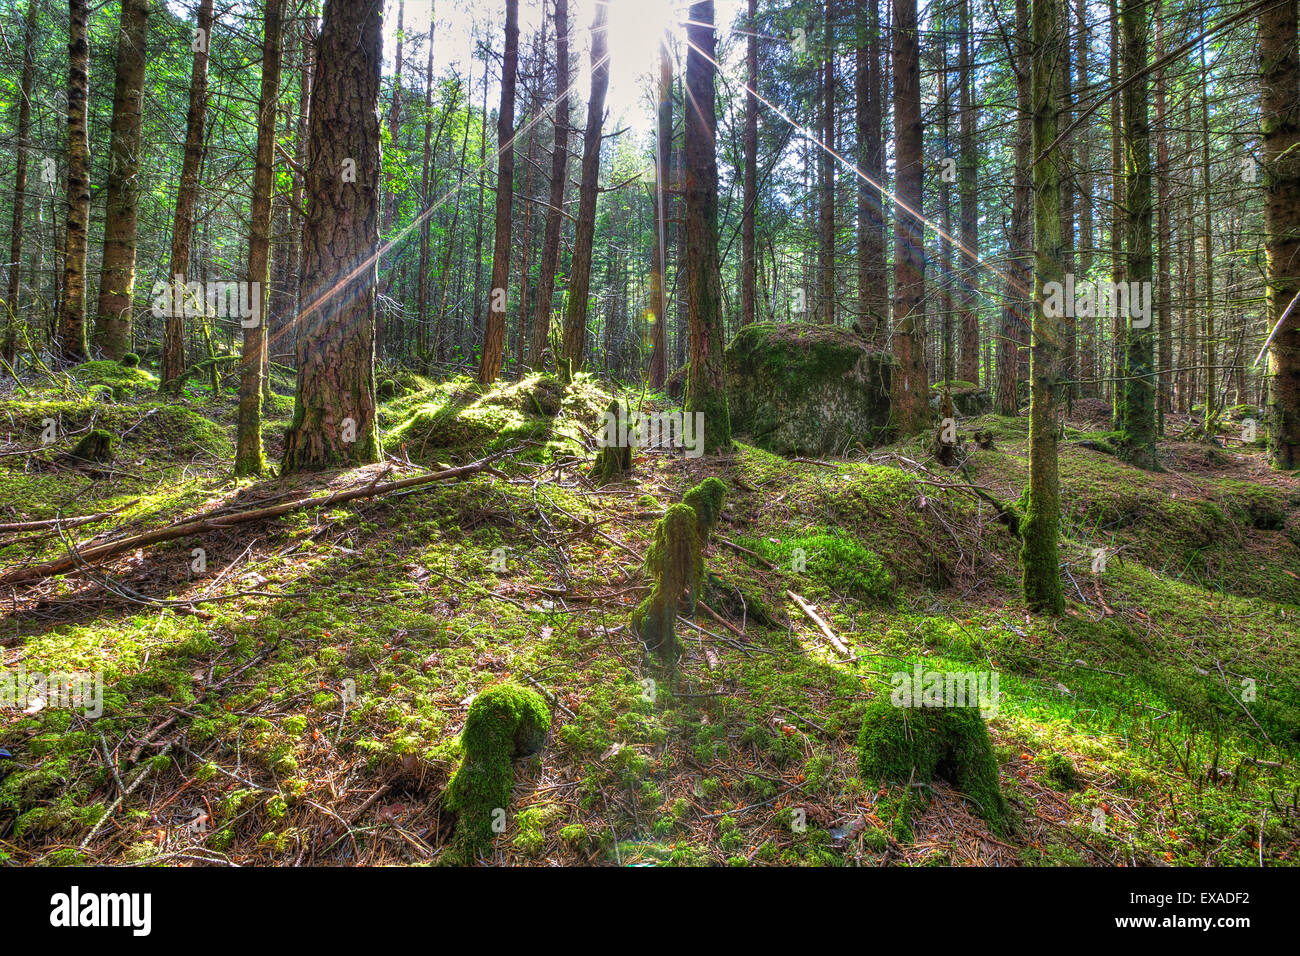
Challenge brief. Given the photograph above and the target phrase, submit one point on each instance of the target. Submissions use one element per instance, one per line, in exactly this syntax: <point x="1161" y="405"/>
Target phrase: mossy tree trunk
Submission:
<point x="173" y="359"/>
<point x="873" y="282"/>
<point x="1038" y="555"/>
<point x="550" y="260"/>
<point x="72" y="312"/>
<point x="706" y="386"/>
<point x="9" y="343"/>
<point x="122" y="191"/>
<point x="1138" y="421"/>
<point x="334" y="409"/>
<point x="494" y="334"/>
<point x="911" y="398"/>
<point x="249" y="459"/>
<point x="575" y="317"/>
<point x="1280" y="103"/>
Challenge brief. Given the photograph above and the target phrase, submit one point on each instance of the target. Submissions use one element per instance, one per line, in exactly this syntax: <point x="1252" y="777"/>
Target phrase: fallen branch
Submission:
<point x="65" y="523"/>
<point x="816" y="619"/>
<point x="196" y="525"/>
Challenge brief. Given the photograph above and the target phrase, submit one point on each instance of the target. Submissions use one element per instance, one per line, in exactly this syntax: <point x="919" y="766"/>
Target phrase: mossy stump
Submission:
<point x="916" y="744"/>
<point x="676" y="561"/>
<point x="95" y="447"/>
<point x="505" y="721"/>
<point x="614" y="459"/>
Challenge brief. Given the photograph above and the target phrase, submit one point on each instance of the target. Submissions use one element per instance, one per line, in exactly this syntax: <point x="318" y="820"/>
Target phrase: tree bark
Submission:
<point x="1039" y="553"/>
<point x="706" y="385"/>
<point x="659" y="254"/>
<point x="249" y="459"/>
<point x="9" y="343"/>
<point x="72" y="313"/>
<point x="334" y="409"/>
<point x="911" y="400"/>
<point x="575" y="317"/>
<point x="749" y="195"/>
<point x="1280" y="122"/>
<point x="122" y="191"/>
<point x="173" y="358"/>
<point x="873" y="282"/>
<point x="555" y="212"/>
<point x="1016" y="313"/>
<point x="968" y="194"/>
<point x="494" y="336"/>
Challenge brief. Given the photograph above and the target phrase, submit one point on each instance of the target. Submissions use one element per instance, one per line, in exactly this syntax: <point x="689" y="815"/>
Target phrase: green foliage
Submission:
<point x="836" y="561"/>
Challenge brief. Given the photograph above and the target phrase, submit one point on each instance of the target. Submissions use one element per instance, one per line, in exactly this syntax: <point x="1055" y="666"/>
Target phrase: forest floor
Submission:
<point x="299" y="700"/>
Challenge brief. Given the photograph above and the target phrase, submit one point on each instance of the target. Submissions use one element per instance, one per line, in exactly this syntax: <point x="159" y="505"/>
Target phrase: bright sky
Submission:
<point x="634" y="30"/>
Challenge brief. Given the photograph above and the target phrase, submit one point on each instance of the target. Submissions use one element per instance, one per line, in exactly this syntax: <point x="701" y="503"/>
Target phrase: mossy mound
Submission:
<point x="807" y="389"/>
<point x="461" y="418"/>
<point x="504" y="722"/>
<point x="393" y="383"/>
<point x="126" y="381"/>
<point x="97" y="446"/>
<point x="840" y="563"/>
<point x="902" y="744"/>
<point x="676" y="563"/>
<point x="129" y="360"/>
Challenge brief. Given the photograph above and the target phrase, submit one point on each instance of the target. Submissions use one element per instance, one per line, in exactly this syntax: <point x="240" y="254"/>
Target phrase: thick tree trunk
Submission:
<point x="1039" y="555"/>
<point x="1163" y="241"/>
<point x="173" y="358"/>
<point x="426" y="215"/>
<point x="706" y="385"/>
<point x="1069" y="323"/>
<point x="9" y="342"/>
<point x="1280" y="122"/>
<point x="659" y="253"/>
<point x="826" y="169"/>
<point x="249" y="459"/>
<point x="122" y="192"/>
<point x="494" y="337"/>
<point x="555" y="211"/>
<point x="72" y="312"/>
<point x="334" y="409"/>
<point x="1139" y="419"/>
<point x="1086" y="350"/>
<point x="911" y="400"/>
<point x="1016" y="313"/>
<point x="575" y="317"/>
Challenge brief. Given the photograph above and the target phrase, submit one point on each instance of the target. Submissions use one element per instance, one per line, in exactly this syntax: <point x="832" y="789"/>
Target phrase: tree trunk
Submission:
<point x="706" y="385"/>
<point x="969" y="368"/>
<point x="1019" y="289"/>
<point x="1039" y="555"/>
<point x="1138" y="422"/>
<point x="555" y="211"/>
<point x="173" y="359"/>
<point x="1163" y="278"/>
<point x="334" y="409"/>
<point x="494" y="337"/>
<point x="72" y="313"/>
<point x="248" y="444"/>
<point x="1280" y="122"/>
<point x="426" y="213"/>
<point x="911" y="399"/>
<point x="873" y="283"/>
<point x="9" y="343"/>
<point x="659" y="251"/>
<point x="575" y="317"/>
<point x="826" y="170"/>
<point x="122" y="192"/>
<point x="749" y="197"/>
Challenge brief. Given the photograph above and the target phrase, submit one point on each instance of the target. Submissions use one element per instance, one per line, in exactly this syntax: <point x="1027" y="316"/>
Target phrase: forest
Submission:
<point x="646" y="433"/>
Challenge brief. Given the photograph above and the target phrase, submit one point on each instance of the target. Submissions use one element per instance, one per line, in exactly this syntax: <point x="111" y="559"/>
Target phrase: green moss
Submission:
<point x="129" y="360"/>
<point x="505" y="721"/>
<point x="614" y="459"/>
<point x="676" y="563"/>
<point x="706" y="500"/>
<point x="1059" y="770"/>
<point x="902" y="744"/>
<point x="97" y="446"/>
<point x="836" y="561"/>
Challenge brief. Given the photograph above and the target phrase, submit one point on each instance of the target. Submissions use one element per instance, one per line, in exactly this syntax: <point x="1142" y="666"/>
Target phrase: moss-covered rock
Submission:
<point x="902" y="744"/>
<point x="97" y="446"/>
<point x="807" y="389"/>
<point x="505" y="721"/>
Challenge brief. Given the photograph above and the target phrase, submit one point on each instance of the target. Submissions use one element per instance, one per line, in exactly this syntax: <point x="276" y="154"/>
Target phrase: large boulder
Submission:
<point x="968" y="399"/>
<point x="807" y="389"/>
